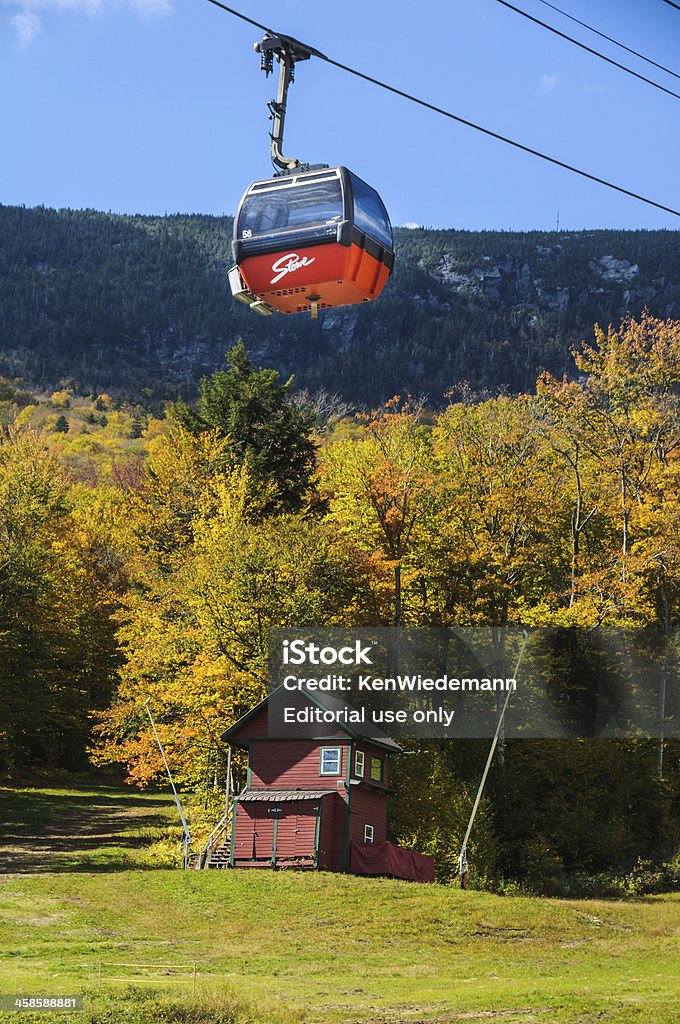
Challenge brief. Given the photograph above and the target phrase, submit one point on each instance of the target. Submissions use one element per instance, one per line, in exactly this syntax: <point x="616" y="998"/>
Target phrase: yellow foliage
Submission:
<point x="61" y="399"/>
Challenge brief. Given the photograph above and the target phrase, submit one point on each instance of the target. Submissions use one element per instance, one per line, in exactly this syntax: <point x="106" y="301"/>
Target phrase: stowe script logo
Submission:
<point x="288" y="264"/>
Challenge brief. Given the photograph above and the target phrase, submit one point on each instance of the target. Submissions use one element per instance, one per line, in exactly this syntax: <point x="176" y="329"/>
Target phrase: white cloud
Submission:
<point x="547" y="83"/>
<point x="412" y="225"/>
<point x="87" y="6"/>
<point x="27" y="23"/>
<point x="150" y="7"/>
<point x="595" y="90"/>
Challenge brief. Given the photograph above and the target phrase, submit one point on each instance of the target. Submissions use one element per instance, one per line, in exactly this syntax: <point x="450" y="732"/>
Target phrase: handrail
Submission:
<point x="224" y="820"/>
<point x="220" y="828"/>
<point x="205" y="853"/>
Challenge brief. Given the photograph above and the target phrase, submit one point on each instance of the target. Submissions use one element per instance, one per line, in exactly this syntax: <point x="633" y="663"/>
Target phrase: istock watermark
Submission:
<point x="553" y="682"/>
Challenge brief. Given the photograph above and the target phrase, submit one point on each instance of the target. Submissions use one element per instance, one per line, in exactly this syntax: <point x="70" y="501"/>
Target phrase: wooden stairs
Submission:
<point x="216" y="851"/>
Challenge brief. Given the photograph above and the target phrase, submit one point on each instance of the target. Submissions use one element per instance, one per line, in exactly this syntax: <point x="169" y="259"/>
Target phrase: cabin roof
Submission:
<point x="327" y="702"/>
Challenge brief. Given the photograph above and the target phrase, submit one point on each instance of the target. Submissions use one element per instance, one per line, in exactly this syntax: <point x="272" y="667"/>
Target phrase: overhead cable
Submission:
<point x="461" y="120"/>
<point x="589" y="49"/>
<point x="610" y="39"/>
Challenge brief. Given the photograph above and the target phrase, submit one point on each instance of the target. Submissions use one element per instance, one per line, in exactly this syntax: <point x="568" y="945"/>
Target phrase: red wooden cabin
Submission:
<point x="311" y="794"/>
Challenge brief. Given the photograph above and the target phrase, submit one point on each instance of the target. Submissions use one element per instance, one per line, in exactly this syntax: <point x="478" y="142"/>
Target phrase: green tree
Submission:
<point x="252" y="407"/>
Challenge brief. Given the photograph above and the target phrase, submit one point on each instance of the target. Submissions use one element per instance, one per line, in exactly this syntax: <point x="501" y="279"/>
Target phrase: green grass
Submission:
<point x="80" y="827"/>
<point x="293" y="948"/>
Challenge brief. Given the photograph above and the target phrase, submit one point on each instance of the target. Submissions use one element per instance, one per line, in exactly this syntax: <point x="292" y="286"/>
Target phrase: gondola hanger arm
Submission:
<point x="287" y="51"/>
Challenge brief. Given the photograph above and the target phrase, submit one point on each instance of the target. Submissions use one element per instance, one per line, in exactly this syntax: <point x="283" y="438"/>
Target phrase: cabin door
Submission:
<point x="263" y="830"/>
<point x="296" y="831"/>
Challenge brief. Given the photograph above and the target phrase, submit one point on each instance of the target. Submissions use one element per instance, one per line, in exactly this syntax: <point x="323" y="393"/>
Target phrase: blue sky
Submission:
<point x="157" y="106"/>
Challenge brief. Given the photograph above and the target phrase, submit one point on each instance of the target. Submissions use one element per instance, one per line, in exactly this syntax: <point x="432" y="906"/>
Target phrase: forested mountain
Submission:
<point x="141" y="305"/>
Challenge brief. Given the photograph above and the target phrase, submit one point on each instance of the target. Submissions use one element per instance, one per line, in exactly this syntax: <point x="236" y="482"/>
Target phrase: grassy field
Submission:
<point x="289" y="948"/>
<point x="79" y="828"/>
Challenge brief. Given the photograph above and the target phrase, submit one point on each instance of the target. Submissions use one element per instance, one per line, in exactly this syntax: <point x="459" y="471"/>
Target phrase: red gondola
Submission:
<point x="310" y="237"/>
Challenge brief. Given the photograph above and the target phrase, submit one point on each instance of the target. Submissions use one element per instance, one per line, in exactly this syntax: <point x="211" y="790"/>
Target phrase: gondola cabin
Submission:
<point x="310" y="240"/>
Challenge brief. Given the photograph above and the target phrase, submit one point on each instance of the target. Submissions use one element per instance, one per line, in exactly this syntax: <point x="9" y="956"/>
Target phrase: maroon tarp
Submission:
<point x="388" y="859"/>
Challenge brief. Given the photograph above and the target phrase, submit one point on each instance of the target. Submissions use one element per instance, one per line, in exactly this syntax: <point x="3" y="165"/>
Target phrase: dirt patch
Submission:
<point x="420" y="1015"/>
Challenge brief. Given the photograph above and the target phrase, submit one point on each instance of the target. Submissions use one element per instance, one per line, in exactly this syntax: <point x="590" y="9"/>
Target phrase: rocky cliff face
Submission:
<point x="521" y="282"/>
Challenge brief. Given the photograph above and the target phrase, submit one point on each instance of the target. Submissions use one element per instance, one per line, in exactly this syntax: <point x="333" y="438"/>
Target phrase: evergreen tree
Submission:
<point x="252" y="407"/>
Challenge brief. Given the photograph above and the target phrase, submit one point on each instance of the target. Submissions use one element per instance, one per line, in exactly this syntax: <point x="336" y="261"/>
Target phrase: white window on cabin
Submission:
<point x="331" y="761"/>
<point x="377" y="769"/>
<point x="368" y="833"/>
<point x="359" y="763"/>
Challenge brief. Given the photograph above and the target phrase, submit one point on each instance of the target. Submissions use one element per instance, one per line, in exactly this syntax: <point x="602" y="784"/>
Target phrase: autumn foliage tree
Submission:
<point x="619" y="430"/>
<point x="59" y="564"/>
<point x="379" y="486"/>
<point x="212" y="574"/>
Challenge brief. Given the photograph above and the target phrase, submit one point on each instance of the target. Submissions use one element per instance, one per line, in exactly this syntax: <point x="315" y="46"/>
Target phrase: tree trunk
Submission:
<point x="397" y="592"/>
